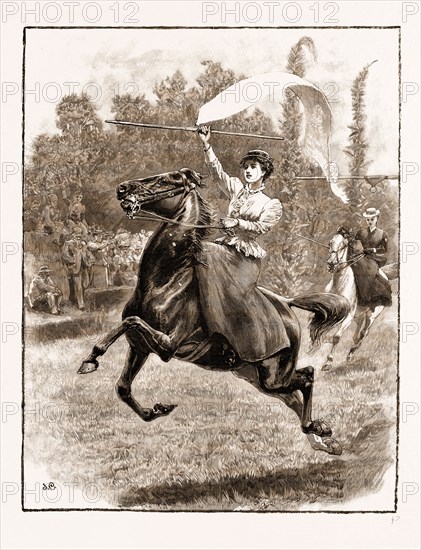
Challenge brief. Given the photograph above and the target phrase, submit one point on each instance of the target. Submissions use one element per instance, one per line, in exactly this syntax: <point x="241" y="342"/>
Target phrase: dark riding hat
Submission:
<point x="257" y="154"/>
<point x="44" y="269"/>
<point x="371" y="213"/>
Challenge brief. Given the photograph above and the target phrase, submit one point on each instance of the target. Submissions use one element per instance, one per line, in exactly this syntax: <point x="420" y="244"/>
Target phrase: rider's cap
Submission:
<point x="371" y="213"/>
<point x="44" y="269"/>
<point x="257" y="154"/>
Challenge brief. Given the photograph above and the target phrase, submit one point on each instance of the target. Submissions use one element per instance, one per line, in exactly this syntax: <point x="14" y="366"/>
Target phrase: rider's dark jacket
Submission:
<point x="372" y="288"/>
<point x="374" y="243"/>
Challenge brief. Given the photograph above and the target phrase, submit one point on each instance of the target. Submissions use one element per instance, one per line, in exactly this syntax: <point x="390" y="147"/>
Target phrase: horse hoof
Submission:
<point x="333" y="446"/>
<point x="88" y="366"/>
<point x="163" y="410"/>
<point x="157" y="410"/>
<point x="326" y="444"/>
<point x="318" y="427"/>
<point x="326" y="367"/>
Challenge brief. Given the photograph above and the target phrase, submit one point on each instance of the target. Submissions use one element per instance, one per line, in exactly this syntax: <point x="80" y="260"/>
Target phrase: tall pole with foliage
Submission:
<point x="292" y="158"/>
<point x="288" y="257"/>
<point x="357" y="148"/>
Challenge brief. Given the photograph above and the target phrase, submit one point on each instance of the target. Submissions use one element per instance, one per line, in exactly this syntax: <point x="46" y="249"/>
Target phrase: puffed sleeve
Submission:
<point x="231" y="186"/>
<point x="271" y="214"/>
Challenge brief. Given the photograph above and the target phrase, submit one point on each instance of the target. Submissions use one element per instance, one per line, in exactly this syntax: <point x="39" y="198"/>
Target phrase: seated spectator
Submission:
<point x="44" y="295"/>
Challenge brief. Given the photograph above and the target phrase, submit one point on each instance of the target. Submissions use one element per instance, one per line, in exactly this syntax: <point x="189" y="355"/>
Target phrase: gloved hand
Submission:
<point x="229" y="223"/>
<point x="204" y="133"/>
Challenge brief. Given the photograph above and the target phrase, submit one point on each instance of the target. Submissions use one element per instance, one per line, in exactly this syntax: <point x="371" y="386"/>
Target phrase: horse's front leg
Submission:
<point x="156" y="341"/>
<point x="134" y="362"/>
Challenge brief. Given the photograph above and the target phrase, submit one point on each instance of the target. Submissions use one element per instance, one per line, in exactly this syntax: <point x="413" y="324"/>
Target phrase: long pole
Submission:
<point x="188" y="129"/>
<point x="311" y="240"/>
<point x="349" y="177"/>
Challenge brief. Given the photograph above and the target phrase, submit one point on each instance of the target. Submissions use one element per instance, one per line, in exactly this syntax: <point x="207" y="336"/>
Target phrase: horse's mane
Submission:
<point x="191" y="251"/>
<point x="196" y="236"/>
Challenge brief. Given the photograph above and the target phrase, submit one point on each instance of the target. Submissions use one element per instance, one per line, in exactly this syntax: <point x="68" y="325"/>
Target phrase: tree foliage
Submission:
<point x="85" y="156"/>
<point x="358" y="146"/>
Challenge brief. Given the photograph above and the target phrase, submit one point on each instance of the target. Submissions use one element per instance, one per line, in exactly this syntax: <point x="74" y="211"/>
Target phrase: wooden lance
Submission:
<point x="188" y="129"/>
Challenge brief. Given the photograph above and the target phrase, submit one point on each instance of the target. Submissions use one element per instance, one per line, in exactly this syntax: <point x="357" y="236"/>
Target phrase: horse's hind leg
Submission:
<point x="363" y="328"/>
<point x="278" y="375"/>
<point x="298" y="400"/>
<point x="134" y="362"/>
<point x="335" y="341"/>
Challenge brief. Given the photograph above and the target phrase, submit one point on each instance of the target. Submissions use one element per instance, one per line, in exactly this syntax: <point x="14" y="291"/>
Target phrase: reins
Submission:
<point x="353" y="261"/>
<point x="153" y="216"/>
<point x="312" y="240"/>
<point x="342" y="265"/>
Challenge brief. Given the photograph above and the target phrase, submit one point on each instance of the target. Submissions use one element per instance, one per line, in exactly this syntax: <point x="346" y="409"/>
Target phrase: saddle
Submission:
<point x="233" y="305"/>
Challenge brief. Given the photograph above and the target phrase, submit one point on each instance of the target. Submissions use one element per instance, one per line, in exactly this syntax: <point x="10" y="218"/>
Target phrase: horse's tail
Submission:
<point x="329" y="309"/>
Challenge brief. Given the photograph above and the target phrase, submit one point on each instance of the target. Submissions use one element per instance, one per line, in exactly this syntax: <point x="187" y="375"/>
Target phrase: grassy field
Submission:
<point x="226" y="447"/>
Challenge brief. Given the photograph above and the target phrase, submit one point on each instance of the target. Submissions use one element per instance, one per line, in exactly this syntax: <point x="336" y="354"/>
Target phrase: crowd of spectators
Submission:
<point x="77" y="256"/>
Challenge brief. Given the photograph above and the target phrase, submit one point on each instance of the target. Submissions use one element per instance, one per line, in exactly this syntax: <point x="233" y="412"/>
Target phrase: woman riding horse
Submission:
<point x="170" y="313"/>
<point x="239" y="308"/>
<point x="373" y="286"/>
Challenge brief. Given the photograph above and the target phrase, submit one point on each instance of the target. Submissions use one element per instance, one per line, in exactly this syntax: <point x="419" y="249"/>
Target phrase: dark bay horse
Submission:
<point x="164" y="314"/>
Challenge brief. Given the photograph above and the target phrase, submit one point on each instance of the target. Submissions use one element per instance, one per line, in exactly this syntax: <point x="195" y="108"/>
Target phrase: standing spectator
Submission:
<point x="77" y="225"/>
<point x="136" y="255"/>
<point x="98" y="247"/>
<point x="32" y="218"/>
<point x="74" y="257"/>
<point x="111" y="252"/>
<point x="123" y="266"/>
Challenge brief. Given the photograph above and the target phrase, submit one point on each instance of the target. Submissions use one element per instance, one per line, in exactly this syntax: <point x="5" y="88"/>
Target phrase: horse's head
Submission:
<point x="161" y="192"/>
<point x="338" y="249"/>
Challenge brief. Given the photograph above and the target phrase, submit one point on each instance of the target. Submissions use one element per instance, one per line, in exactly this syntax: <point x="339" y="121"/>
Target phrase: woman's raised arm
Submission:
<point x="231" y="186"/>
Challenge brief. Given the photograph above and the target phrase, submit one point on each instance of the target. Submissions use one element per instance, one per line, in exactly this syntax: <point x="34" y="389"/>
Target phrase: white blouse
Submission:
<point x="256" y="212"/>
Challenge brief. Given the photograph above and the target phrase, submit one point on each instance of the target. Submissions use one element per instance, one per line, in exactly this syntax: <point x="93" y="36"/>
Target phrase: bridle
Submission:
<point x="339" y="266"/>
<point x="161" y="195"/>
